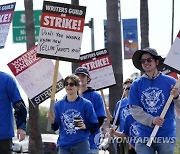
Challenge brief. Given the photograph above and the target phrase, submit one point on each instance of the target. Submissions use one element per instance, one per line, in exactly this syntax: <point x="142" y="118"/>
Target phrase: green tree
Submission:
<point x="177" y="148"/>
<point x="43" y="119"/>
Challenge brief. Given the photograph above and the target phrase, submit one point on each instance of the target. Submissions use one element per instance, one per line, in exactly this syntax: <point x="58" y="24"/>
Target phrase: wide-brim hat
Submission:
<point x="138" y="54"/>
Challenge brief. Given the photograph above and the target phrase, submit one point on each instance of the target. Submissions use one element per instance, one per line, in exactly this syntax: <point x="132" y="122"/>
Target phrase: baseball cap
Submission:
<point x="82" y="70"/>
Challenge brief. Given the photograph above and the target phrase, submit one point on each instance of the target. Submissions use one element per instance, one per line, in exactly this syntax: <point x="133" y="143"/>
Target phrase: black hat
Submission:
<point x="137" y="57"/>
<point x="82" y="70"/>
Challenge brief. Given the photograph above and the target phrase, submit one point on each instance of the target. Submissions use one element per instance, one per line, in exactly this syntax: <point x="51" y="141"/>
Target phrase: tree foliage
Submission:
<point x="177" y="148"/>
<point x="43" y="119"/>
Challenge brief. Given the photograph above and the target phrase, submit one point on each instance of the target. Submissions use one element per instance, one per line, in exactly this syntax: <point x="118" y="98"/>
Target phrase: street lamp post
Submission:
<point x="90" y="24"/>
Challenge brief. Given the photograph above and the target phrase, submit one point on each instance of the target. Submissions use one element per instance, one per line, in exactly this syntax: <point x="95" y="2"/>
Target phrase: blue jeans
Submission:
<point x="161" y="148"/>
<point x="80" y="148"/>
<point x="94" y="151"/>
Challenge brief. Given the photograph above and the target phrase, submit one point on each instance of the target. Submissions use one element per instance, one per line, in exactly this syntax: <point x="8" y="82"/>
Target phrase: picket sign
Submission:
<point x="52" y="102"/>
<point x="172" y="60"/>
<point x="58" y="41"/>
<point x="106" y="106"/>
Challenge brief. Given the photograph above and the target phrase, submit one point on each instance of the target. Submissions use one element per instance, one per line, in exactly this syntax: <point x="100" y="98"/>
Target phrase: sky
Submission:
<point x="160" y="25"/>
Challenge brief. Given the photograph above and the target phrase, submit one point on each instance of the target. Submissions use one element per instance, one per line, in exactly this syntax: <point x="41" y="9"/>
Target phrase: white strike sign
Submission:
<point x="61" y="31"/>
<point x="35" y="75"/>
<point x="173" y="56"/>
<point x="100" y="68"/>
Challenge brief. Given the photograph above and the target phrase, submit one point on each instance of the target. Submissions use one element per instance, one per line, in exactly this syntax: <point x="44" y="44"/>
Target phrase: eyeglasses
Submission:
<point x="149" y="60"/>
<point x="71" y="84"/>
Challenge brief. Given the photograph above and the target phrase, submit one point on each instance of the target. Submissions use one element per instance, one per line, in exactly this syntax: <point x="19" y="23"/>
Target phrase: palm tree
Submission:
<point x="114" y="48"/>
<point x="35" y="141"/>
<point x="74" y="65"/>
<point x="115" y="51"/>
<point x="144" y="23"/>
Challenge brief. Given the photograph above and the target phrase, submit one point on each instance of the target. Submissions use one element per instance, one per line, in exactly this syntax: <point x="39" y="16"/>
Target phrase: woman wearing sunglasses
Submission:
<point x="73" y="140"/>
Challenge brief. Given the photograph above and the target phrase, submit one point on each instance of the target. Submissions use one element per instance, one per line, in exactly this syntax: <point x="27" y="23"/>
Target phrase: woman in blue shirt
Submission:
<point x="72" y="140"/>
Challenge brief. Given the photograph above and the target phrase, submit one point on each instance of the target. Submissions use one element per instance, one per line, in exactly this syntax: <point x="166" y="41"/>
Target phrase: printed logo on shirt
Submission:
<point x="125" y="113"/>
<point x="134" y="129"/>
<point x="152" y="99"/>
<point x="67" y="119"/>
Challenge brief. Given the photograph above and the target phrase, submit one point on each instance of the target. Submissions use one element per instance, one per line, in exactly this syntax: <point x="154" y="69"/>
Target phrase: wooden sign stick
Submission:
<point x="106" y="107"/>
<point x="51" y="108"/>
<point x="156" y="128"/>
<point x="118" y="110"/>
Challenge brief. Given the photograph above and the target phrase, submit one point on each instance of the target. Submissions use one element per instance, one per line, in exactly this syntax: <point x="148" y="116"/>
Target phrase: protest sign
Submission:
<point x="35" y="75"/>
<point x="100" y="68"/>
<point x="172" y="61"/>
<point x="6" y="15"/>
<point x="61" y="31"/>
<point x="167" y="71"/>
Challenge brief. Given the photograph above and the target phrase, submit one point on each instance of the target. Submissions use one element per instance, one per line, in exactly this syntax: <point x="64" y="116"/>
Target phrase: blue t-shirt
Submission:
<point x="9" y="94"/>
<point x="98" y="105"/>
<point x="64" y="117"/>
<point x="123" y="112"/>
<point x="131" y="129"/>
<point x="152" y="95"/>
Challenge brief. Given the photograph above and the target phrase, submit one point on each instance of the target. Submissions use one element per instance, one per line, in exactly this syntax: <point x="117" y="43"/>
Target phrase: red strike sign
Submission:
<point x="56" y="21"/>
<point x="5" y="18"/>
<point x="97" y="63"/>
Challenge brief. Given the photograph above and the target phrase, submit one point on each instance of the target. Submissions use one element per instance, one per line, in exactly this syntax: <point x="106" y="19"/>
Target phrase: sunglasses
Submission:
<point x="71" y="84"/>
<point x="149" y="60"/>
